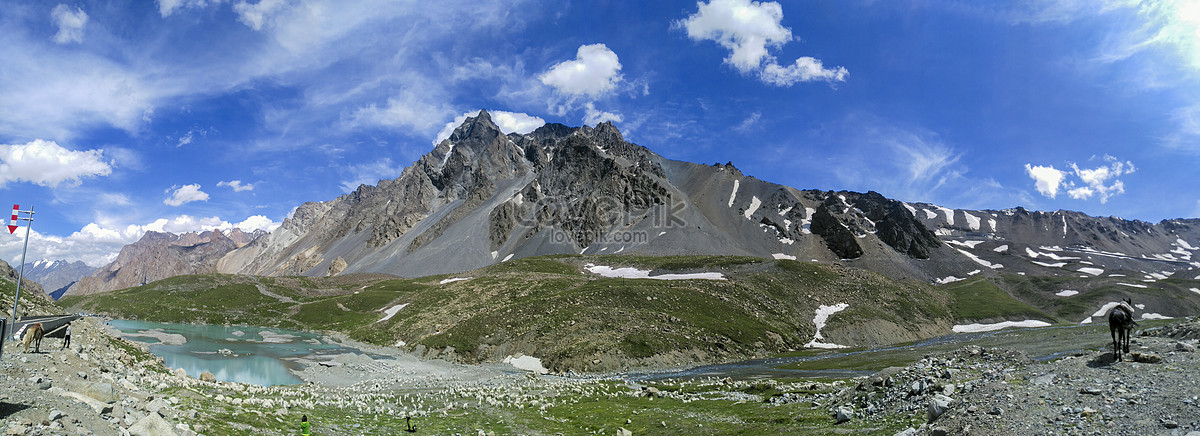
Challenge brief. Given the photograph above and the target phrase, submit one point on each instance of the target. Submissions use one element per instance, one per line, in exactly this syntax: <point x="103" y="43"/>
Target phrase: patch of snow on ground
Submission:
<point x="1196" y="290"/>
<point x="823" y="314"/>
<point x="400" y="343"/>
<point x="754" y="204"/>
<point x="783" y="256"/>
<point x="784" y="212"/>
<point x="992" y="223"/>
<point x="455" y="279"/>
<point x="929" y="214"/>
<point x="976" y="328"/>
<point x="1185" y="245"/>
<point x="911" y="209"/>
<point x="634" y="273"/>
<point x="972" y="221"/>
<point x="1159" y="276"/>
<point x="661" y="233"/>
<point x="1103" y="311"/>
<point x="1050" y="265"/>
<point x="494" y="254"/>
<point x="974" y="272"/>
<point x="1154" y="316"/>
<point x="1001" y="248"/>
<point x="980" y="261"/>
<point x="1092" y="271"/>
<point x="527" y="363"/>
<point x="1066" y="293"/>
<point x="941" y="231"/>
<point x="806" y="223"/>
<point x="1133" y="285"/>
<point x="787" y="241"/>
<point x="946" y="280"/>
<point x="506" y="258"/>
<point x="968" y="244"/>
<point x="949" y="214"/>
<point x="391" y="311"/>
<point x="734" y="193"/>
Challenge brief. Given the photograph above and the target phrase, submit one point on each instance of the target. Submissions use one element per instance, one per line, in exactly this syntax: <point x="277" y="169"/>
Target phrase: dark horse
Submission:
<point x="1120" y="323"/>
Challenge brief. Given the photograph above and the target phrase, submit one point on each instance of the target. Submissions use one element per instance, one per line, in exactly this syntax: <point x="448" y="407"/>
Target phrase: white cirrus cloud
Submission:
<point x="46" y="163"/>
<point x="168" y="7"/>
<point x="70" y="24"/>
<point x="185" y="194"/>
<point x="1082" y="183"/>
<point x="749" y="29"/>
<point x="412" y="108"/>
<point x="237" y="185"/>
<point x="508" y="122"/>
<point x="253" y="15"/>
<point x="593" y="73"/>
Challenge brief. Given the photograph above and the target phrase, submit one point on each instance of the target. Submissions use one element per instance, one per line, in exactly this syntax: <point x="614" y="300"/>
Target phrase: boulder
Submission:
<point x="844" y="414"/>
<point x="207" y="377"/>
<point x="152" y="425"/>
<point x="101" y="391"/>
<point x="938" y="405"/>
<point x="1146" y="357"/>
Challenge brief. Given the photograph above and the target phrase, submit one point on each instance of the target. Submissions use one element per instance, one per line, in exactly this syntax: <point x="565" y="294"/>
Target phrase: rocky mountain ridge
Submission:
<point x="159" y="255"/>
<point x="57" y="275"/>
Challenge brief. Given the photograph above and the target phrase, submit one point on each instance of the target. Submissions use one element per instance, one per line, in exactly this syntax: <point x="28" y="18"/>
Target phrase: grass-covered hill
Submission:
<point x="554" y="309"/>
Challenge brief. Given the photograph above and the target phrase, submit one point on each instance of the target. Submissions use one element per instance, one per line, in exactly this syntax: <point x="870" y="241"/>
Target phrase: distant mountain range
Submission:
<point x="57" y="275"/>
<point x="482" y="197"/>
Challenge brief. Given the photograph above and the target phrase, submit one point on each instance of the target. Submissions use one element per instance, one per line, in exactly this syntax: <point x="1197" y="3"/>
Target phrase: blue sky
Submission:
<point x="185" y="115"/>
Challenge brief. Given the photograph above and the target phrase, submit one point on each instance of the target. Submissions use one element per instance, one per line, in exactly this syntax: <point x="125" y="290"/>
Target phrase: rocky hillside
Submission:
<point x="161" y="255"/>
<point x="34" y="300"/>
<point x="482" y="197"/>
<point x="56" y="276"/>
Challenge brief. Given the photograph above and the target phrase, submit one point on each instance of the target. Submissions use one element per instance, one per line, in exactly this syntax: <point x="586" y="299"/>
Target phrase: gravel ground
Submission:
<point x="976" y="391"/>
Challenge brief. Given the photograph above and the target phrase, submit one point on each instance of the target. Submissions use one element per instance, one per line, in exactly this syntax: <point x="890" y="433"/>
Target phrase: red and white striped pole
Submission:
<point x="20" y="275"/>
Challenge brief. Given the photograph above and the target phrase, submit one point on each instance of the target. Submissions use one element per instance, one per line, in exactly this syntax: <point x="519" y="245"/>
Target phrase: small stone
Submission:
<point x="54" y="415"/>
<point x="1185" y="347"/>
<point x="1170" y="423"/>
<point x="1090" y="391"/>
<point x="996" y="411"/>
<point x="1146" y="357"/>
<point x="621" y="431"/>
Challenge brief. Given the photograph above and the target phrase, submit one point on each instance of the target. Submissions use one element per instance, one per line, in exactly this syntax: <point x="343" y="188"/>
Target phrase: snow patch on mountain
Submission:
<point x="976" y="328"/>
<point x="822" y="316"/>
<point x="634" y="273"/>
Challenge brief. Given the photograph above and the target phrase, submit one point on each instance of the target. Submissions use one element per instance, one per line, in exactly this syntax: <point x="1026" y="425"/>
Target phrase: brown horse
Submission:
<point x="33" y="334"/>
<point x="1120" y="323"/>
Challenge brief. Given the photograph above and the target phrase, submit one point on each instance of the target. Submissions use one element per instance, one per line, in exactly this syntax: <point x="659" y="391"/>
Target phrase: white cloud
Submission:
<point x="70" y="24"/>
<point x="253" y="15"/>
<point x="411" y="108"/>
<point x="749" y="29"/>
<point x="237" y="185"/>
<point x="97" y="244"/>
<point x="371" y="174"/>
<point x="594" y="73"/>
<point x="593" y="117"/>
<point x="186" y="194"/>
<point x="744" y="27"/>
<point x="1098" y="179"/>
<point x="168" y="7"/>
<point x="1082" y="183"/>
<point x="749" y="122"/>
<point x="508" y="122"/>
<point x="1047" y="179"/>
<point x="806" y="69"/>
<point x="48" y="164"/>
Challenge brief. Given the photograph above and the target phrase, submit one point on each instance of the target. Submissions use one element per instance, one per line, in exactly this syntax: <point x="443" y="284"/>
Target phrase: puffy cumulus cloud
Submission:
<point x="185" y="194"/>
<point x="592" y="116"/>
<point x="593" y="73"/>
<point x="237" y="185"/>
<point x="806" y="69"/>
<point x="508" y="122"/>
<point x="70" y="23"/>
<point x="1082" y="183"/>
<point x="1047" y="179"/>
<point x="97" y="244"/>
<point x="48" y="164"/>
<point x="749" y="29"/>
<point x="744" y="27"/>
<point x="1101" y="181"/>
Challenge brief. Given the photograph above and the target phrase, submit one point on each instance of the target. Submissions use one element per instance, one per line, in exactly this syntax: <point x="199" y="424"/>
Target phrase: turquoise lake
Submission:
<point x="243" y="354"/>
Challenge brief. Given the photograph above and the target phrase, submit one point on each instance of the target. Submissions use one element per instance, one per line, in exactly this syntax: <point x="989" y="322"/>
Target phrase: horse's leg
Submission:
<point x="1125" y="333"/>
<point x="1112" y="330"/>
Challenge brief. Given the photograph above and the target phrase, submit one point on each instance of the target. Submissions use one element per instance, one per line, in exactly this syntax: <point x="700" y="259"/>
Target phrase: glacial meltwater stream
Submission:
<point x="244" y="354"/>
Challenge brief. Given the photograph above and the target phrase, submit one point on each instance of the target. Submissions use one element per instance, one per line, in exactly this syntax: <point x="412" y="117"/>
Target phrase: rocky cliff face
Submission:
<point x="161" y="255"/>
<point x="482" y="197"/>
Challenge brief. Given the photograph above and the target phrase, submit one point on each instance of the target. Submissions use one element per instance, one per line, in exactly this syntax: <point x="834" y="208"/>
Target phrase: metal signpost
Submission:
<point x="12" y="228"/>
